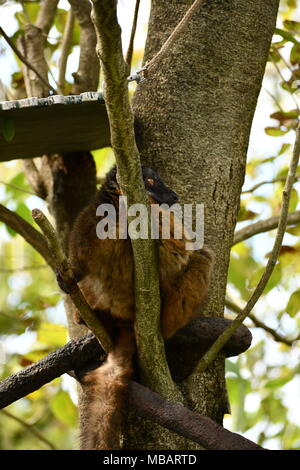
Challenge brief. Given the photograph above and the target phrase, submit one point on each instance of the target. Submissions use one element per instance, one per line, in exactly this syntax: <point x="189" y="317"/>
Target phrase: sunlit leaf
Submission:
<point x="280" y="381"/>
<point x="273" y="281"/>
<point x="63" y="408"/>
<point x="52" y="334"/>
<point x="294" y="198"/>
<point x="284" y="148"/>
<point x="293" y="306"/>
<point x="291" y="25"/>
<point x="294" y="230"/>
<point x="275" y="131"/>
<point x="286" y="35"/>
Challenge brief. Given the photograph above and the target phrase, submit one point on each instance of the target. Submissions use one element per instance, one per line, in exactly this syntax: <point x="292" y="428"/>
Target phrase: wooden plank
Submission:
<point x="57" y="124"/>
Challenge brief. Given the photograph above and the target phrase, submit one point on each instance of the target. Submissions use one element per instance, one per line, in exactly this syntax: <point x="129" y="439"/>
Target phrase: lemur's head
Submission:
<point x="154" y="186"/>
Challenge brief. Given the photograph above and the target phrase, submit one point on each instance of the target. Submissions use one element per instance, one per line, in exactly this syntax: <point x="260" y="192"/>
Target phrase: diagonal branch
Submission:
<point x="29" y="428"/>
<point x="259" y="324"/>
<point x="184" y="422"/>
<point x="25" y="61"/>
<point x="64" y="270"/>
<point x="262" y="183"/>
<point x="129" y="52"/>
<point x="223" y="338"/>
<point x="263" y="226"/>
<point x="153" y="367"/>
<point x="29" y="233"/>
<point x="78" y="355"/>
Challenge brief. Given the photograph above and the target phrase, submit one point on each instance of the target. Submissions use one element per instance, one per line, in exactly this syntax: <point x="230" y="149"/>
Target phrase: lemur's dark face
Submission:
<point x="154" y="186"/>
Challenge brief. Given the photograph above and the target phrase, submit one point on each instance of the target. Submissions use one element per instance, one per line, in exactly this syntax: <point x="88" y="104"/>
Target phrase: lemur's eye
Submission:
<point x="150" y="181"/>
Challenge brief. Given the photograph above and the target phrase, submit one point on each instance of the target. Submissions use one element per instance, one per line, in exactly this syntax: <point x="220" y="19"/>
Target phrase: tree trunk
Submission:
<point x="193" y="116"/>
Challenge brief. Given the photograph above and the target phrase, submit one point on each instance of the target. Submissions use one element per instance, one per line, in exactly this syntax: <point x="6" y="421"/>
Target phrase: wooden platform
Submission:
<point x="33" y="127"/>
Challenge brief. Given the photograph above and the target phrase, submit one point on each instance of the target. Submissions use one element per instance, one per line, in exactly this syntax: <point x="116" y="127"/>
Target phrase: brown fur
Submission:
<point x="108" y="285"/>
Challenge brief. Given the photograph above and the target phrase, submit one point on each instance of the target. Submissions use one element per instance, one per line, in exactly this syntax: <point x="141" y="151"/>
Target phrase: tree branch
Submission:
<point x="35" y="178"/>
<point x="263" y="226"/>
<point x="153" y="366"/>
<point x="176" y="33"/>
<point x="25" y="61"/>
<point x="262" y="183"/>
<point x="81" y="353"/>
<point x="29" y="233"/>
<point x="129" y="52"/>
<point x="78" y="355"/>
<point x="184" y="422"/>
<point x="64" y="270"/>
<point x="87" y="76"/>
<point x="259" y="324"/>
<point x="65" y="49"/>
<point x="29" y="428"/>
<point x="46" y="15"/>
<point x="13" y="186"/>
<point x="223" y="338"/>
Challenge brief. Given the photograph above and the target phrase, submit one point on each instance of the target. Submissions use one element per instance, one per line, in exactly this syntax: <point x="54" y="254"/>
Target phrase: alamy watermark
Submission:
<point x="133" y="222"/>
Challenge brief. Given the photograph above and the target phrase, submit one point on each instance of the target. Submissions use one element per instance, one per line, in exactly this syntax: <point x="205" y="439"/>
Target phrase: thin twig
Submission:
<point x="24" y="60"/>
<point x="273" y="98"/>
<point x="263" y="226"/>
<point x="223" y="338"/>
<point x="184" y="22"/>
<point x="259" y="324"/>
<point x="29" y="428"/>
<point x="13" y="186"/>
<point x="262" y="183"/>
<point x="29" y="233"/>
<point x="284" y="80"/>
<point x="63" y="268"/>
<point x="23" y="268"/>
<point x="129" y="53"/>
<point x="65" y="49"/>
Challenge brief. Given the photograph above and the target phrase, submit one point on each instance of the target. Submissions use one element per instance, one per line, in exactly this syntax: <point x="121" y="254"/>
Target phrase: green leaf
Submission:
<point x="60" y="20"/>
<point x="273" y="281"/>
<point x="292" y="26"/>
<point x="293" y="306"/>
<point x="52" y="334"/>
<point x="8" y="129"/>
<point x="294" y="230"/>
<point x="63" y="408"/>
<point x="286" y="35"/>
<point x="280" y="381"/>
<point x="284" y="148"/>
<point x="295" y="54"/>
<point x="293" y="200"/>
<point x="275" y="131"/>
<point x="232" y="367"/>
<point x="24" y="212"/>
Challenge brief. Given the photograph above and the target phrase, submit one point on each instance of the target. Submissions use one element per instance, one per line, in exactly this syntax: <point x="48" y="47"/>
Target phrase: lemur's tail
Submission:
<point x="105" y="390"/>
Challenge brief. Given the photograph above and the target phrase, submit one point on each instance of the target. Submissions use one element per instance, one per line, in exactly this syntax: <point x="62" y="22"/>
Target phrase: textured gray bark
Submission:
<point x="193" y="118"/>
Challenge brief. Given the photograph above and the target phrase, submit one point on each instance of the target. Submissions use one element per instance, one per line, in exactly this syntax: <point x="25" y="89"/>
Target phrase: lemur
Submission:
<point x="106" y="271"/>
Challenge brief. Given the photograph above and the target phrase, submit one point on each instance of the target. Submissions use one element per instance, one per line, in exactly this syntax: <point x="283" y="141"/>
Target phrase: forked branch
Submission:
<point x="283" y="217"/>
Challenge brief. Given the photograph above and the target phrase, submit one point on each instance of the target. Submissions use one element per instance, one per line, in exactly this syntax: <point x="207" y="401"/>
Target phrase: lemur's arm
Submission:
<point x="185" y="295"/>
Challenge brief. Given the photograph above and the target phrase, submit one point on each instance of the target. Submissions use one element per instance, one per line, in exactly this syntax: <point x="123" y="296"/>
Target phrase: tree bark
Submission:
<point x="193" y="116"/>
